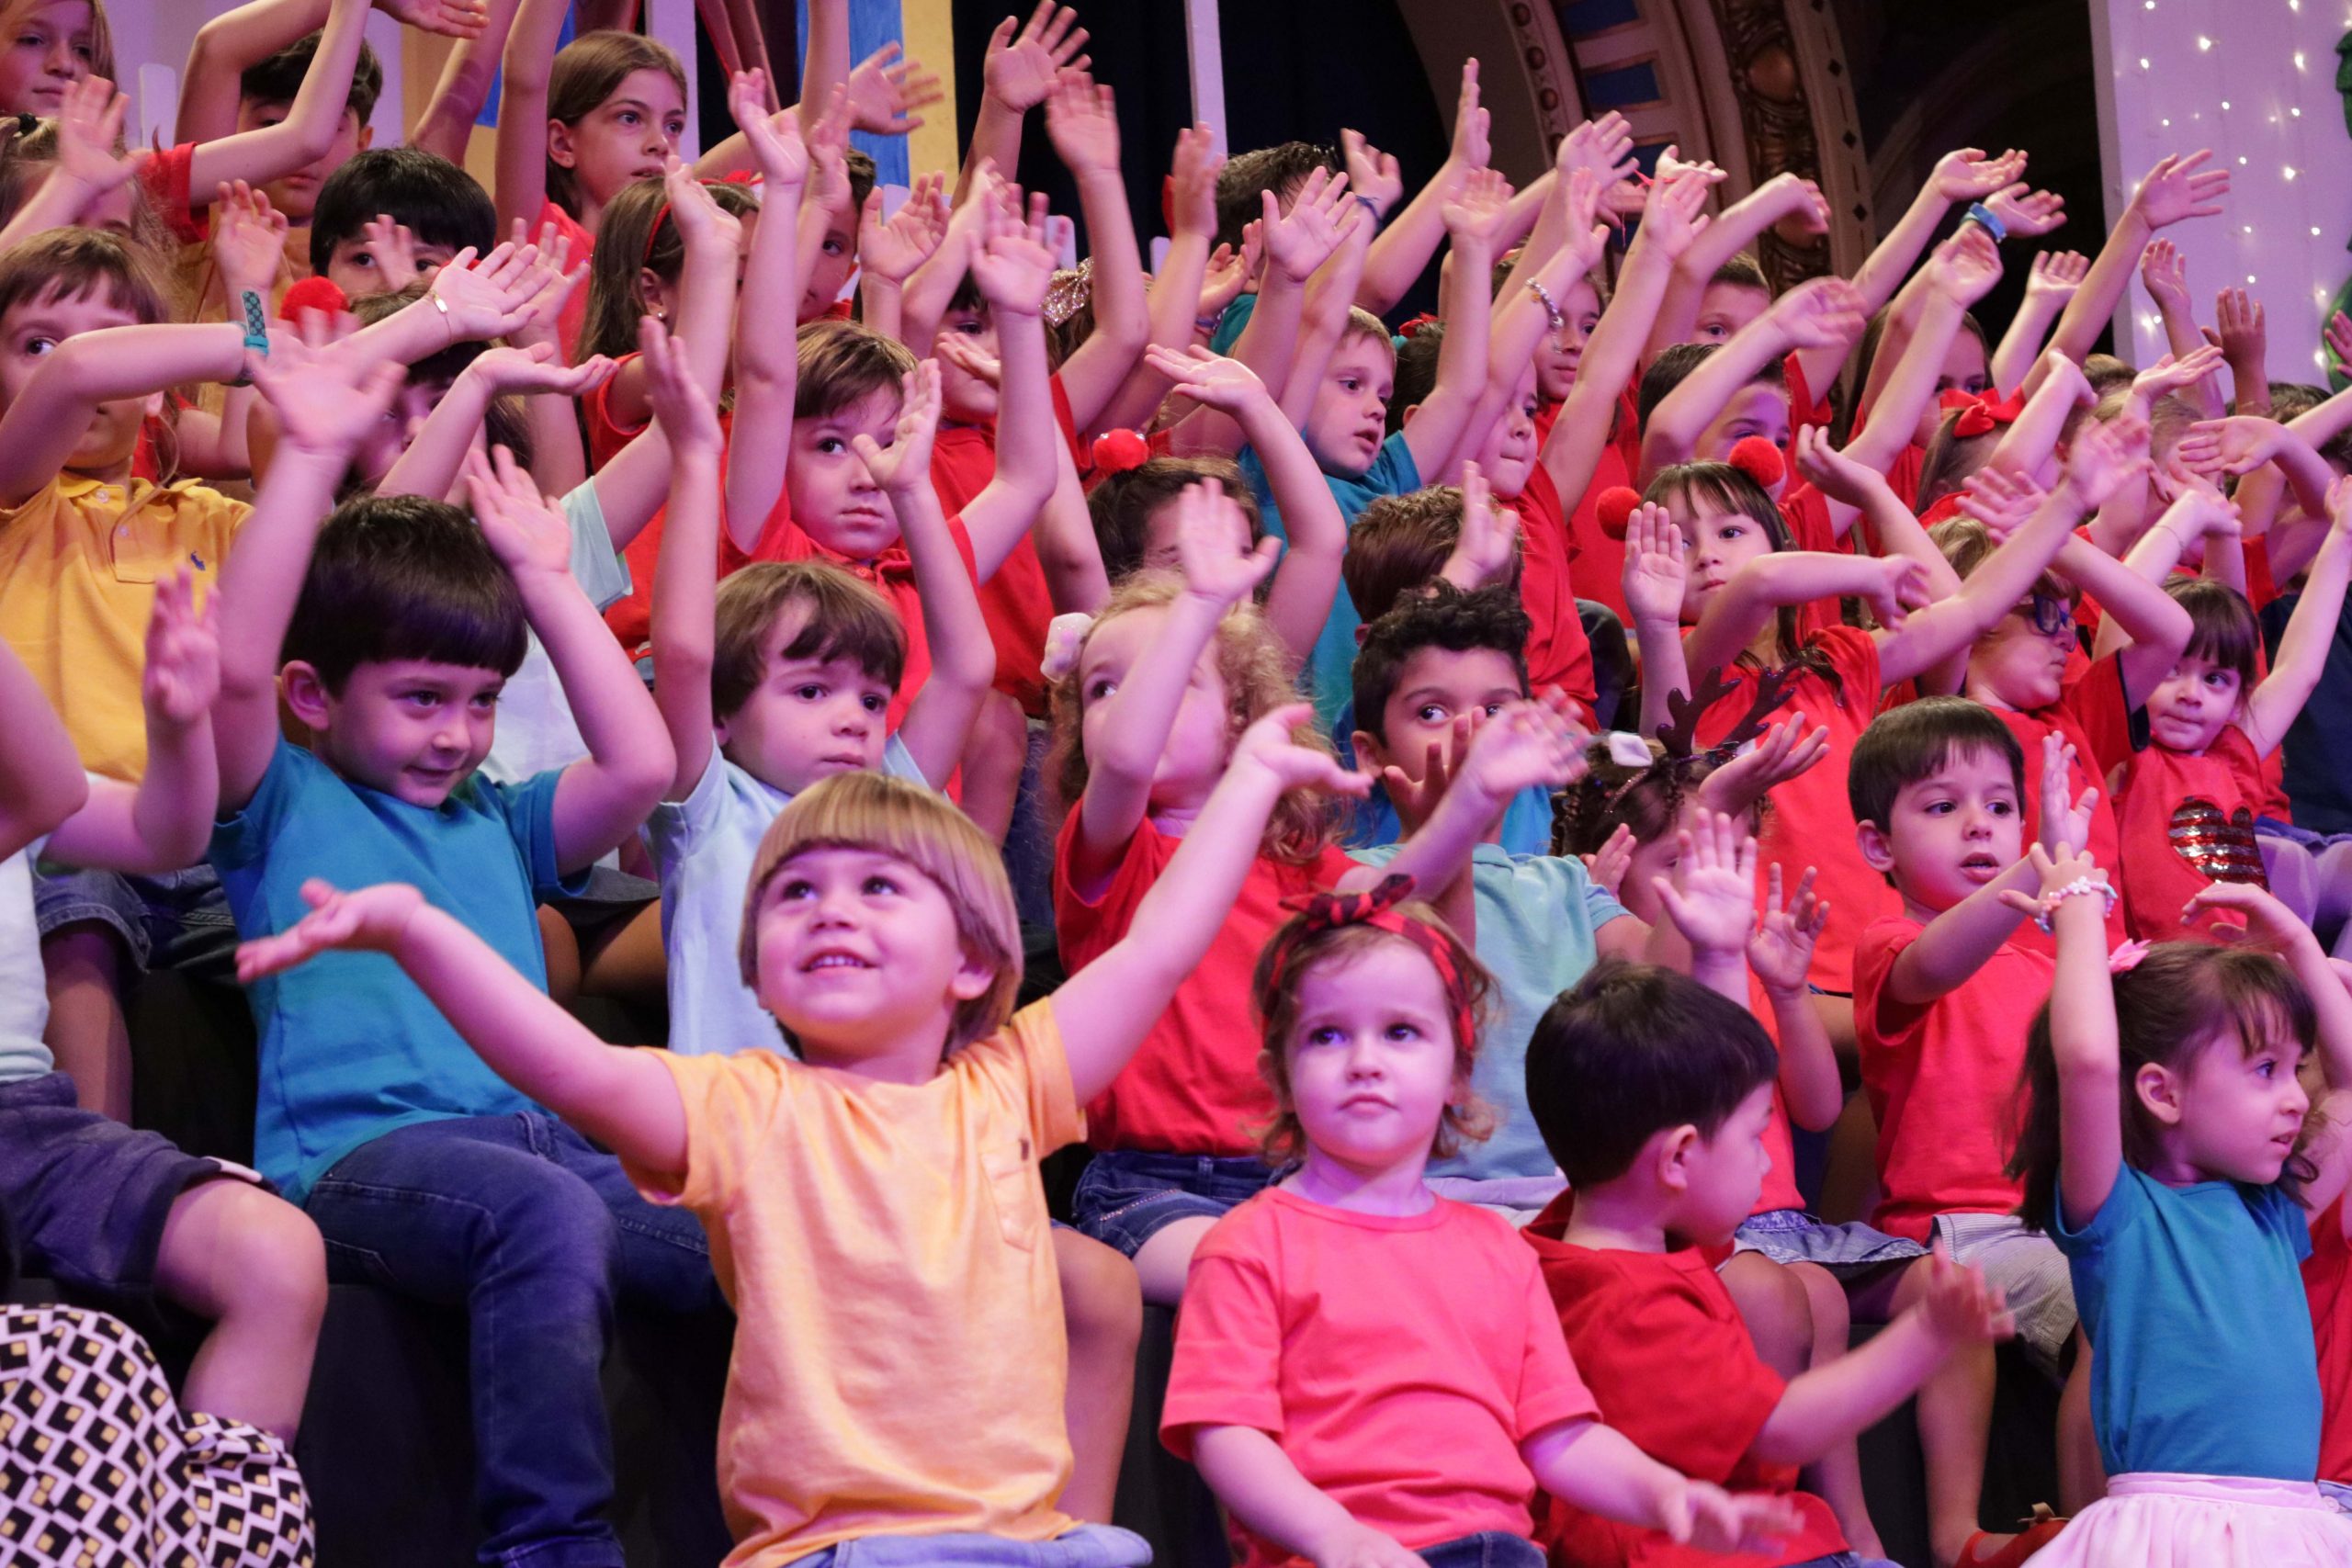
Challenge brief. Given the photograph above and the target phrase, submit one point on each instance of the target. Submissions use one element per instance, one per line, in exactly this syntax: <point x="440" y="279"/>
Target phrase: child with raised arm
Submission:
<point x="122" y="1218"/>
<point x="2172" y="1155"/>
<point x="2189" y="796"/>
<point x="389" y="632"/>
<point x="1367" y="1373"/>
<point x="1655" y="1090"/>
<point x="1942" y="996"/>
<point x="874" y="1205"/>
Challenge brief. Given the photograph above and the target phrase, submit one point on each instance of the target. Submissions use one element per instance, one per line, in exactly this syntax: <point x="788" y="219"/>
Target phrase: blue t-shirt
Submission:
<point x="2317" y="766"/>
<point x="1538" y="916"/>
<point x="350" y="1048"/>
<point x="1526" y="821"/>
<point x="2194" y="1299"/>
<point x="1393" y="472"/>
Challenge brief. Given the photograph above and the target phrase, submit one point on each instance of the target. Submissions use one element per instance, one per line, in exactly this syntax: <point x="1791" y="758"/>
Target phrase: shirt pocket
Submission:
<point x="1015" y="1192"/>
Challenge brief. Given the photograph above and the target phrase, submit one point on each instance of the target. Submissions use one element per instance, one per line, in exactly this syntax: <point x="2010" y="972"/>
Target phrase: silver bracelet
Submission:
<point x="1551" y="306"/>
<point x="2077" y="889"/>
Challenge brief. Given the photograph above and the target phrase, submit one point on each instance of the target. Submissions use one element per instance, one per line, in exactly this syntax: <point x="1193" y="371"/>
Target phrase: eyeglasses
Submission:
<point x="2050" y="617"/>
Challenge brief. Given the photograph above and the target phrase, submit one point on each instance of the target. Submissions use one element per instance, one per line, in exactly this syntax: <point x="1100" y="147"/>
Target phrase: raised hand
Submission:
<point x="885" y="90"/>
<point x="1013" y="265"/>
<point x="1965" y="266"/>
<point x="183" y="674"/>
<point x="523" y="529"/>
<point x="1082" y="122"/>
<point x="1528" y="743"/>
<point x="2000" y="500"/>
<point x="248" y="241"/>
<point x="2055" y="276"/>
<point x="2026" y="214"/>
<point x="2181" y="188"/>
<point x="2053" y="873"/>
<point x="683" y="410"/>
<point x="450" y="19"/>
<point x="1832" y="472"/>
<point x="1786" y="750"/>
<point x="392" y="247"/>
<point x="2104" y="458"/>
<point x="1228" y="269"/>
<point x="1471" y="147"/>
<point x="1207" y="377"/>
<point x="1605" y="146"/>
<point x="1488" y="542"/>
<point x="1207" y="522"/>
<point x="1672" y="166"/>
<point x="2239" y="331"/>
<point x="490" y="299"/>
<point x="1657" y="565"/>
<point x="1192" y="177"/>
<point x="540" y="367"/>
<point x="1271" y="743"/>
<point x="326" y="402"/>
<point x="1967" y="175"/>
<point x="1960" y="1306"/>
<point x="543" y="312"/>
<point x="891" y="250"/>
<point x="1019" y="70"/>
<point x="2338" y="333"/>
<point x="372" y="920"/>
<point x="776" y="140"/>
<point x="2232" y="445"/>
<point x="968" y="357"/>
<point x="2170" y="375"/>
<point x="1901" y="587"/>
<point x="1824" y="313"/>
<point x="701" y="220"/>
<point x="1371" y="172"/>
<point x="1711" y="896"/>
<point x="1779" y="951"/>
<point x="1674" y="214"/>
<point x="89" y="126"/>
<point x="1415" y="798"/>
<point x="907" y="460"/>
<point x="2163" y="271"/>
<point x="1479" y="209"/>
<point x="1320" y="216"/>
<point x="827" y="140"/>
<point x="2065" y="816"/>
<point x="1608" y="865"/>
<point x="2259" y="917"/>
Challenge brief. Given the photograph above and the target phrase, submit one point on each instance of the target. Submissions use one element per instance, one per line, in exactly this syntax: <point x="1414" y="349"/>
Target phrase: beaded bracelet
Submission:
<point x="1551" y="306"/>
<point x="2074" y="889"/>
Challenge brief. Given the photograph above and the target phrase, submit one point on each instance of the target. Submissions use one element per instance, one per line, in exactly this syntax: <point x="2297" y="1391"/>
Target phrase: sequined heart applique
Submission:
<point x="2218" y="848"/>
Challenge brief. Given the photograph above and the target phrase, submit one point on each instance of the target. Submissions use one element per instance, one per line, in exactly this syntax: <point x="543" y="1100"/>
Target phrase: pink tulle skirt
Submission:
<point x="2155" y="1520"/>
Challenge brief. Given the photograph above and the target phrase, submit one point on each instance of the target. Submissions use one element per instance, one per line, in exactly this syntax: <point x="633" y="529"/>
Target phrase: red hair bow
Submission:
<point x="1979" y="416"/>
<point x="1375" y="906"/>
<point x="1413" y="327"/>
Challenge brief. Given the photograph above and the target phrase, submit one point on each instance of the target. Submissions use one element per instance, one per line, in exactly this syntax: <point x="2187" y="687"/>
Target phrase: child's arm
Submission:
<point x="1105" y="1010"/>
<point x="1656" y="568"/>
<point x="1473" y="219"/>
<point x="430" y="465"/>
<point x="166" y="823"/>
<point x="2163" y="271"/>
<point x="523" y="68"/>
<point x="326" y="402"/>
<point x="603" y="797"/>
<point x="1782" y="198"/>
<point x="1779" y="951"/>
<point x="2201" y="512"/>
<point x="1895" y="588"/>
<point x="1401" y="252"/>
<point x="1082" y="122"/>
<point x="2239" y="329"/>
<point x="1300" y="599"/>
<point x="713" y="239"/>
<point x="686" y="574"/>
<point x="2177" y="189"/>
<point x="1013" y="268"/>
<point x="1958" y="275"/>
<point x="2082" y="1034"/>
<point x="2242" y="443"/>
<point x="89" y="126"/>
<point x="1838" y="475"/>
<point x="1130" y="732"/>
<point x="2026" y="445"/>
<point x="2051" y="282"/>
<point x="1838" y="1399"/>
<point x="618" y="1095"/>
<point x="963" y="657"/>
<point x="2271" y="706"/>
<point x="1820" y="313"/>
<point x="1599" y="1469"/>
<point x="552" y="414"/>
<point x="1264" y="1491"/>
<point x="1173" y="304"/>
<point x="1323" y="316"/>
<point x="1016" y="75"/>
<point x="446" y="126"/>
<point x="42" y="780"/>
<point x="1965" y="174"/>
<point x="49" y="416"/>
<point x="889" y="252"/>
<point x="828" y="191"/>
<point x="311" y="121"/>
<point x="1711" y="900"/>
<point x="1528" y="743"/>
<point x="767" y="343"/>
<point x="228" y="45"/>
<point x="1523" y="307"/>
<point x="1068" y="551"/>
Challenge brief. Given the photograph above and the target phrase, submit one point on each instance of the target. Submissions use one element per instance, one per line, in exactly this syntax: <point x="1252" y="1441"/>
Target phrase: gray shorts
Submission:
<point x="1791" y="1236"/>
<point x="2026" y="1267"/>
<point x="179" y="921"/>
<point x="89" y="1196"/>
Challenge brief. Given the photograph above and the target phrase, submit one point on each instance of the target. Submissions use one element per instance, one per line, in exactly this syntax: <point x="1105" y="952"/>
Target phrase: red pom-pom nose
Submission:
<point x="1616" y="508"/>
<point x="1758" y="459"/>
<point x="313" y="294"/>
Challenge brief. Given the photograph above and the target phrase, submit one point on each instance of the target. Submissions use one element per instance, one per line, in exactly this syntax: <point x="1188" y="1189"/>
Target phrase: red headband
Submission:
<point x="1979" y="416"/>
<point x="1376" y="907"/>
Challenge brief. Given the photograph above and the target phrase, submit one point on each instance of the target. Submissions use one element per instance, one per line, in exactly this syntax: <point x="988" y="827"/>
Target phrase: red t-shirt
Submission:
<point x="1665" y="1352"/>
<point x="2187" y="822"/>
<point x="1601" y="573"/>
<point x="2327" y="1281"/>
<point x="2100" y="689"/>
<point x="1806" y="512"/>
<point x="1558" y="653"/>
<point x="1780" y="1190"/>
<point x="1943" y="1079"/>
<point x="1405" y="1405"/>
<point x="163" y="175"/>
<point x="583" y="247"/>
<point x="1810" y="823"/>
<point x="1193" y="1087"/>
<point x="1805" y="411"/>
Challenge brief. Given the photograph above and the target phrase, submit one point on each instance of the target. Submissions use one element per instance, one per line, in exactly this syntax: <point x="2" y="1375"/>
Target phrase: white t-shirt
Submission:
<point x="24" y="992"/>
<point x="704" y="846"/>
<point x="536" y="731"/>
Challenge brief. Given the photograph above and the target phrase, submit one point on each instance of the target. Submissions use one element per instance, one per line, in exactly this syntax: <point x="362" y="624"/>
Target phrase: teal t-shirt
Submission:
<point x="1538" y="916"/>
<point x="350" y="1048"/>
<point x="1393" y="472"/>
<point x="2194" y="1297"/>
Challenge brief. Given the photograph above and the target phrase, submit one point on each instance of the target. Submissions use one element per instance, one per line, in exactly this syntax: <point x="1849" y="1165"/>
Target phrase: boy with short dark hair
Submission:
<point x="1653" y="1091"/>
<point x="425" y="1170"/>
<point x="266" y="93"/>
<point x="443" y="208"/>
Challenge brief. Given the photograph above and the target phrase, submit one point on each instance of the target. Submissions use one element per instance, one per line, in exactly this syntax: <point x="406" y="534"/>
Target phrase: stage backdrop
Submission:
<point x="2268" y="86"/>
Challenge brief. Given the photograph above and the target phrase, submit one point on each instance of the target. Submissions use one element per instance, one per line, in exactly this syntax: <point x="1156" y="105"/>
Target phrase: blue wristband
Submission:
<point x="256" y="325"/>
<point x="1982" y="216"/>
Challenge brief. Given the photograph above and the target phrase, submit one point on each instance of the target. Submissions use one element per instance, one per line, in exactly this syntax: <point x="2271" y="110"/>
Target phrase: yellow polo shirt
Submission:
<point x="78" y="568"/>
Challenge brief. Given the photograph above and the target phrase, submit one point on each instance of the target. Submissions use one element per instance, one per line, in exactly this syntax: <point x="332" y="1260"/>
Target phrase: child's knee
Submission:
<point x="1772" y="1303"/>
<point x="267" y="1257"/>
<point x="1825" y="1301"/>
<point x="1102" y="1294"/>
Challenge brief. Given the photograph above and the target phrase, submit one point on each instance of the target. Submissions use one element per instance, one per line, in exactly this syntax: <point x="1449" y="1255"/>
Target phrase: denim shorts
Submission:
<point x="179" y="921"/>
<point x="1088" y="1546"/>
<point x="1126" y="1195"/>
<point x="1791" y="1236"/>
<point x="1486" y="1549"/>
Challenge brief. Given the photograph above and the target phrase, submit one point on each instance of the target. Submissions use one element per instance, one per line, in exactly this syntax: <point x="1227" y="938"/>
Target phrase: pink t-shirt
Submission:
<point x="1193" y="1087"/>
<point x="1400" y="1362"/>
<point x="1943" y="1079"/>
<point x="2187" y="822"/>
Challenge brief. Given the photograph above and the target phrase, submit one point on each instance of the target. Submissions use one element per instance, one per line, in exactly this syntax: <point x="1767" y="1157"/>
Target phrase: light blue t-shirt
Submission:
<point x="536" y="729"/>
<point x="704" y="846"/>
<point x="1526" y="821"/>
<point x="1393" y="472"/>
<point x="24" y="990"/>
<point x="1537" y="919"/>
<point x="2194" y="1297"/>
<point x="350" y="1048"/>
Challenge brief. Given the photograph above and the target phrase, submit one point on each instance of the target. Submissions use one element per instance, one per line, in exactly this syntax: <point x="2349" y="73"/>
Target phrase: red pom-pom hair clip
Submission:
<point x="1117" y="451"/>
<point x="1616" y="508"/>
<point x="313" y="294"/>
<point x="1759" y="460"/>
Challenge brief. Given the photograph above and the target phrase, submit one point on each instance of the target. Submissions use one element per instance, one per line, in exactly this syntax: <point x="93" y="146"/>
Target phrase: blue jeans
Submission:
<point x="1486" y="1549"/>
<point x="1127" y="1196"/>
<point x="537" y="1234"/>
<point x="1088" y="1546"/>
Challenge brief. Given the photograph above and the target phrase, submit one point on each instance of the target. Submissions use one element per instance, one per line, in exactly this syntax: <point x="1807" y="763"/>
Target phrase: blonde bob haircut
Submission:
<point x="885" y="816"/>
